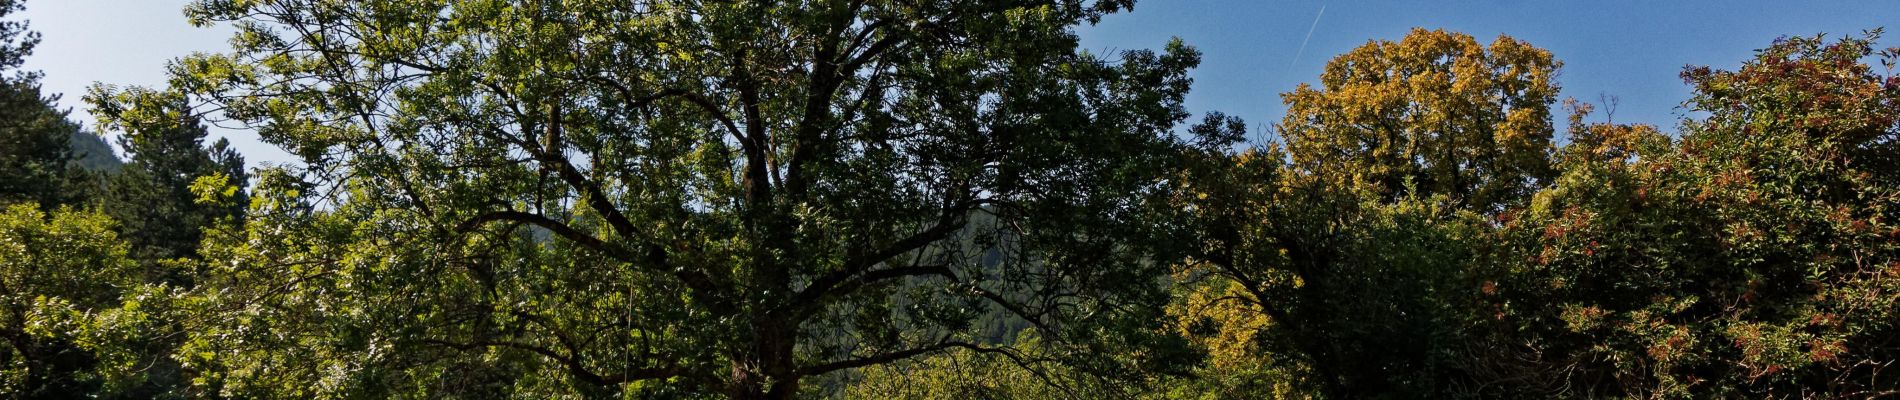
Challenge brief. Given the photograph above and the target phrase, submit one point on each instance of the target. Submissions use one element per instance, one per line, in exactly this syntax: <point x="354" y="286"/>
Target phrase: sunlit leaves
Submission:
<point x="665" y="198"/>
<point x="66" y="277"/>
<point x="1435" y="112"/>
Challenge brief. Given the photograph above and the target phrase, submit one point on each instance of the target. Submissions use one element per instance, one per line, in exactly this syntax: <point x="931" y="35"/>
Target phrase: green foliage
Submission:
<point x="1755" y="258"/>
<point x="929" y="199"/>
<point x="63" y="275"/>
<point x="36" y="155"/>
<point x="1029" y="371"/>
<point x="1361" y="298"/>
<point x="16" y="43"/>
<point x="91" y="153"/>
<point x="152" y="197"/>
<point x="161" y="216"/>
<point x="674" y="199"/>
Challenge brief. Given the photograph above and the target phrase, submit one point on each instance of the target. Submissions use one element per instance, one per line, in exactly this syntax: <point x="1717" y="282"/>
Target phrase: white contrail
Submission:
<point x="1309" y="37"/>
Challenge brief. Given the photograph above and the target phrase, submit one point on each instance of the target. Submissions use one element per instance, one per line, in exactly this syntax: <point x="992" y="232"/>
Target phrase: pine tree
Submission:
<point x="35" y="136"/>
<point x="152" y="199"/>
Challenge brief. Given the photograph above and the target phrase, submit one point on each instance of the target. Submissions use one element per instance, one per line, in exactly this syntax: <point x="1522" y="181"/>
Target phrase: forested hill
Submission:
<point x="93" y="153"/>
<point x="930" y="199"/>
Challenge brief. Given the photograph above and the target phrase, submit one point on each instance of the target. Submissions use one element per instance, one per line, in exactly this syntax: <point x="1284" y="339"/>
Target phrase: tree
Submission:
<point x="676" y="198"/>
<point x="1219" y="315"/>
<point x="1363" y="241"/>
<point x="35" y="150"/>
<point x="966" y="374"/>
<point x="55" y="272"/>
<point x="152" y="196"/>
<point x="160" y="212"/>
<point x="93" y="154"/>
<point x="1355" y="297"/>
<point x="1753" y="257"/>
<point x="1434" y="113"/>
<point x="36" y="157"/>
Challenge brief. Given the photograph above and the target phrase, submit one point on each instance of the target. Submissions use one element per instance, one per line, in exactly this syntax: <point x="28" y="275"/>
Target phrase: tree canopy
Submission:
<point x="35" y="138"/>
<point x="674" y="197"/>
<point x="934" y="199"/>
<point x="1435" y="113"/>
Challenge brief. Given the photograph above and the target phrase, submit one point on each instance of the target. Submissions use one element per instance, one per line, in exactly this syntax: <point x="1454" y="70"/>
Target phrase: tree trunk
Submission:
<point x="767" y="371"/>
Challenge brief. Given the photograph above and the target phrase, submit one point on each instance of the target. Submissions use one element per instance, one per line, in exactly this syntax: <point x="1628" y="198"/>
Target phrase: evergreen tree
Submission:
<point x="93" y="154"/>
<point x="35" y="136"/>
<point x="152" y="196"/>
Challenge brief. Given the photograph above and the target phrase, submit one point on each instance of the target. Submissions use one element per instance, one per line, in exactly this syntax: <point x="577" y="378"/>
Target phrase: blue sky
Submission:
<point x="1632" y="50"/>
<point x="1629" y="49"/>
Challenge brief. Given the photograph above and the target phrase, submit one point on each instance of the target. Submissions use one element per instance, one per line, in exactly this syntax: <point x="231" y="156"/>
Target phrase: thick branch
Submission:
<point x="695" y="98"/>
<point x="877" y="359"/>
<point x="557" y="227"/>
<point x="1252" y="286"/>
<point x="807" y="302"/>
<point x="596" y="198"/>
<point x="825" y="285"/>
<point x="887" y="358"/>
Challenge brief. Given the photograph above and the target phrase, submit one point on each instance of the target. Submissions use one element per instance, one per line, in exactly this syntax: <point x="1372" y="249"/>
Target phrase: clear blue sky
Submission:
<point x="1629" y="49"/>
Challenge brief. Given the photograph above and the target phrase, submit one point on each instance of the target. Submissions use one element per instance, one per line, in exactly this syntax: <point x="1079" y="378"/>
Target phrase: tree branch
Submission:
<point x="557" y="227"/>
<point x="877" y="359"/>
<point x="695" y="98"/>
<point x="822" y="286"/>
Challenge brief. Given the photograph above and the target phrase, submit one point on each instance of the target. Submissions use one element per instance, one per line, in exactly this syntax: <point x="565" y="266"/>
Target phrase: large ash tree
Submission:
<point x="673" y="198"/>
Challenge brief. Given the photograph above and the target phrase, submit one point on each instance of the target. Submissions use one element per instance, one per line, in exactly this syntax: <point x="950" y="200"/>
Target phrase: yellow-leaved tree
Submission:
<point x="1433" y="113"/>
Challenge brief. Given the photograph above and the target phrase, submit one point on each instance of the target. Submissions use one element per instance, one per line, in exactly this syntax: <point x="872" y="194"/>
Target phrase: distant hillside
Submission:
<point x="91" y="152"/>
